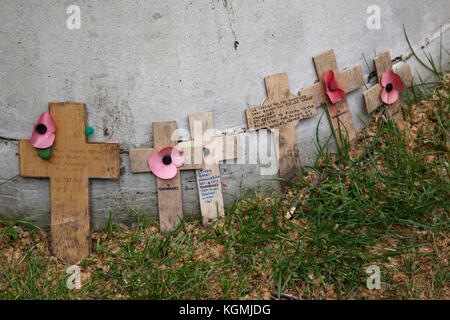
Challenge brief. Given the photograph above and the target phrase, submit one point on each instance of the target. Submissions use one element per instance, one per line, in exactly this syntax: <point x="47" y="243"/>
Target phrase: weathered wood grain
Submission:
<point x="73" y="162"/>
<point x="282" y="111"/>
<point x="372" y="97"/>
<point x="349" y="80"/>
<point x="209" y="182"/>
<point x="170" y="204"/>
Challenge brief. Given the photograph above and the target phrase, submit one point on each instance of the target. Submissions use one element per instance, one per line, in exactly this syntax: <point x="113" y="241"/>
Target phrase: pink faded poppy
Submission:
<point x="165" y="163"/>
<point x="332" y="89"/>
<point x="43" y="135"/>
<point x="392" y="85"/>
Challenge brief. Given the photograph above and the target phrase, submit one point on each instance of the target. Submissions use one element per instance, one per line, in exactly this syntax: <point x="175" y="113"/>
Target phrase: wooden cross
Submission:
<point x="282" y="111"/>
<point x="72" y="164"/>
<point x="216" y="148"/>
<point x="372" y="97"/>
<point x="349" y="80"/>
<point x="170" y="204"/>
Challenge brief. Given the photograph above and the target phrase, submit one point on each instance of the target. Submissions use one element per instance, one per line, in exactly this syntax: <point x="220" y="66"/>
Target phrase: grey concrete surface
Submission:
<point x="135" y="62"/>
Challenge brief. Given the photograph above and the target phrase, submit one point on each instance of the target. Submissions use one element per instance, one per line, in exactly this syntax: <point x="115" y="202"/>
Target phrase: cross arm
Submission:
<point x="383" y="63"/>
<point x="30" y="164"/>
<point x="104" y="160"/>
<point x="372" y="97"/>
<point x="277" y="113"/>
<point x="139" y="158"/>
<point x="349" y="80"/>
<point x="252" y="123"/>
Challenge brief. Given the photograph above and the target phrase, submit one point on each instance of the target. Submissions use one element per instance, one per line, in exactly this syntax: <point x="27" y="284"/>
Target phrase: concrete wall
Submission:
<point x="134" y="62"/>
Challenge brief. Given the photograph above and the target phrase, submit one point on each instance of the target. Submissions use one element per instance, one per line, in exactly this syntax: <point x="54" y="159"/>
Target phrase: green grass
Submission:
<point x="385" y="203"/>
<point x="368" y="209"/>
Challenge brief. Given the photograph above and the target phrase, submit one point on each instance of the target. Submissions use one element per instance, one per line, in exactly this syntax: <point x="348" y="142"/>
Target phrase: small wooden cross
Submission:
<point x="282" y="111"/>
<point x="372" y="97"/>
<point x="216" y="148"/>
<point x="72" y="164"/>
<point x="170" y="204"/>
<point x="349" y="80"/>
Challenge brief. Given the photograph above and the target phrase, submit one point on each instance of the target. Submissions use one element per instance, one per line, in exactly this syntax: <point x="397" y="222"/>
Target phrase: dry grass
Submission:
<point x="312" y="242"/>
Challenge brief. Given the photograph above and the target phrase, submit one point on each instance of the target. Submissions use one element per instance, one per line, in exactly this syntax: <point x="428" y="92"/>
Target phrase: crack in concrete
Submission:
<point x="428" y="40"/>
<point x="231" y="20"/>
<point x="8" y="139"/>
<point x="421" y="45"/>
<point x="370" y="78"/>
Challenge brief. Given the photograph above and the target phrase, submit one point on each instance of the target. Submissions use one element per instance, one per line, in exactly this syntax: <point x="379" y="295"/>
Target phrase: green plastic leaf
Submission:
<point x="45" y="153"/>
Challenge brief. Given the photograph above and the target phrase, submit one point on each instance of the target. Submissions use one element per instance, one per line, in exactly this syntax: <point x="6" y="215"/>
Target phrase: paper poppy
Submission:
<point x="165" y="163"/>
<point x="43" y="135"/>
<point x="392" y="85"/>
<point x="332" y="89"/>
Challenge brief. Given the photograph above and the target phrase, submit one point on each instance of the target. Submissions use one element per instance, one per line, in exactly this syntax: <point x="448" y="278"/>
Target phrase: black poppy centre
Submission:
<point x="167" y="160"/>
<point x="389" y="87"/>
<point x="41" y="128"/>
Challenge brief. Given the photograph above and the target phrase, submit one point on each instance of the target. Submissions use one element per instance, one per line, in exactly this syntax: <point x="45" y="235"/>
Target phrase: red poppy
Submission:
<point x="43" y="135"/>
<point x="392" y="85"/>
<point x="165" y="163"/>
<point x="332" y="89"/>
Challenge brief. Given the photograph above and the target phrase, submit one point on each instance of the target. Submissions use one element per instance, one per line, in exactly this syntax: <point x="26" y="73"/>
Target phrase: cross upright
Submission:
<point x="216" y="149"/>
<point x="372" y="97"/>
<point x="170" y="204"/>
<point x="72" y="164"/>
<point x="282" y="111"/>
<point x="349" y="80"/>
